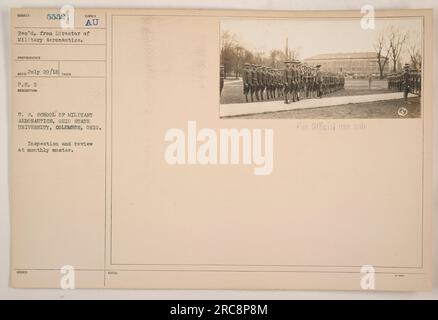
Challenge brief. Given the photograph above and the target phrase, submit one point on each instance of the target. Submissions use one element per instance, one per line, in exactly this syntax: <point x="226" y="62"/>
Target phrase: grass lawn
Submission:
<point x="378" y="110"/>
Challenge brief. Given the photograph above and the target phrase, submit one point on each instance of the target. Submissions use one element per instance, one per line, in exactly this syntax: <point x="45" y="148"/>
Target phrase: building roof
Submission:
<point x="344" y="55"/>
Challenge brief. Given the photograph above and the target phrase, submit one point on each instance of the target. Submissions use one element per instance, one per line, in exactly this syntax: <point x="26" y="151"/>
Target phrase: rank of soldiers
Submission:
<point x="296" y="81"/>
<point x="407" y="81"/>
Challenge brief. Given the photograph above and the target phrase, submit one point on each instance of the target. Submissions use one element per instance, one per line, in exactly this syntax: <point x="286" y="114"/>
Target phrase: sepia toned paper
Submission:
<point x="320" y="192"/>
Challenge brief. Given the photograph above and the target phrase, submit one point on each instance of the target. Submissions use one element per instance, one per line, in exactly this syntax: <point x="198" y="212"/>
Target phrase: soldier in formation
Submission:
<point x="416" y="81"/>
<point x="295" y="82"/>
<point x="247" y="82"/>
<point x="407" y="81"/>
<point x="261" y="83"/>
<point x="221" y="79"/>
<point x="303" y="81"/>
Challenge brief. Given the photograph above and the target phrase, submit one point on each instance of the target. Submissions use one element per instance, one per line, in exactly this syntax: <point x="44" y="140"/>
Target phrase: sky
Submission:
<point x="316" y="36"/>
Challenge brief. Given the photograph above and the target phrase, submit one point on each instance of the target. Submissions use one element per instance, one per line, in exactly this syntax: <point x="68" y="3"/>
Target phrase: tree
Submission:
<point x="397" y="39"/>
<point x="239" y="53"/>
<point x="228" y="54"/>
<point x="248" y="56"/>
<point x="383" y="50"/>
<point x="414" y="51"/>
<point x="276" y="58"/>
<point x="234" y="55"/>
<point x="259" y="57"/>
<point x="294" y="53"/>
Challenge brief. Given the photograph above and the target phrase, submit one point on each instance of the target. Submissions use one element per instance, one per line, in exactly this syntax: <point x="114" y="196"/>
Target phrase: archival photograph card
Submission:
<point x="221" y="149"/>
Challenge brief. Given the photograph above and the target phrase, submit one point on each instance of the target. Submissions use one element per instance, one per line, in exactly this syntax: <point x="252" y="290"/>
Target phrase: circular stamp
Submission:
<point x="402" y="111"/>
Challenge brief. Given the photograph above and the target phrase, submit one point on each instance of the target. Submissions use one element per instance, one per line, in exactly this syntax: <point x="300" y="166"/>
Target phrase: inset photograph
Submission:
<point x="319" y="69"/>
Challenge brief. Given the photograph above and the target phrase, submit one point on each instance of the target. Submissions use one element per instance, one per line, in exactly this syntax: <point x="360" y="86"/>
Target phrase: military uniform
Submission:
<point x="306" y="81"/>
<point x="297" y="81"/>
<point x="287" y="81"/>
<point x="264" y="77"/>
<point x="221" y="79"/>
<point x="260" y="88"/>
<point x="278" y="83"/>
<point x="406" y="82"/>
<point x="255" y="83"/>
<point x="268" y="84"/>
<point x="318" y="81"/>
<point x="247" y="82"/>
<point x="417" y="80"/>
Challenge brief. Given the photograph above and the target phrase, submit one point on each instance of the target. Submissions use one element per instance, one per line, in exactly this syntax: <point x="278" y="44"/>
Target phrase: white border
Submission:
<point x="8" y="293"/>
